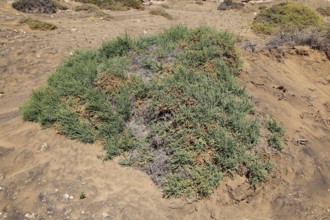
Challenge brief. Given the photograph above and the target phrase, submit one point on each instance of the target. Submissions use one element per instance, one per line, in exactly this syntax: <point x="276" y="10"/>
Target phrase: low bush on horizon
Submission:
<point x="287" y="16"/>
<point x="35" y="6"/>
<point x="115" y="5"/>
<point x="169" y="105"/>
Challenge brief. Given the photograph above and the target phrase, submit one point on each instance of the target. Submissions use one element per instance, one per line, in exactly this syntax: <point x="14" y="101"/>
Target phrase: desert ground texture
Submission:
<point x="42" y="173"/>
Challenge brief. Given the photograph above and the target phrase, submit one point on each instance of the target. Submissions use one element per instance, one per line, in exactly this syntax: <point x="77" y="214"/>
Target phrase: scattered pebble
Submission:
<point x="66" y="196"/>
<point x="44" y="147"/>
<point x="104" y="214"/>
<point x="28" y="215"/>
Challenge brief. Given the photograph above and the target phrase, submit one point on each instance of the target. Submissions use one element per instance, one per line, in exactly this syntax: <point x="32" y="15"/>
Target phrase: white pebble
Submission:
<point x="66" y="196"/>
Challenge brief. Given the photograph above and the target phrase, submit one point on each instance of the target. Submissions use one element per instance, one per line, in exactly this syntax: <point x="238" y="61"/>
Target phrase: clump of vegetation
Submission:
<point x="169" y="104"/>
<point x="61" y="5"/>
<point x="160" y="11"/>
<point x="325" y="11"/>
<point x="93" y="8"/>
<point x="275" y="140"/>
<point x="87" y="7"/>
<point x="35" y="6"/>
<point x="82" y="195"/>
<point x="230" y="4"/>
<point x="36" y="24"/>
<point x="286" y="17"/>
<point x="116" y="5"/>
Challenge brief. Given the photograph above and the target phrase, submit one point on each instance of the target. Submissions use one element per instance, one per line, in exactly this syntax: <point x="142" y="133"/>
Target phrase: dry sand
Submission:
<point x="42" y="174"/>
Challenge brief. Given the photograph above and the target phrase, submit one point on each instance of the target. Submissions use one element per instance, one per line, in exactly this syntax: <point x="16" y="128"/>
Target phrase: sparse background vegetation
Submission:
<point x="287" y="16"/>
<point x="116" y="5"/>
<point x="50" y="6"/>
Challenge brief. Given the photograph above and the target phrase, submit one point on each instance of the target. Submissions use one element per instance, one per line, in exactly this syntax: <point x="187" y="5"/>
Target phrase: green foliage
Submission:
<point x="275" y="139"/>
<point x="42" y="107"/>
<point x="82" y="195"/>
<point x="257" y="169"/>
<point x="117" y="47"/>
<point x="274" y="127"/>
<point x="180" y="87"/>
<point x="287" y="16"/>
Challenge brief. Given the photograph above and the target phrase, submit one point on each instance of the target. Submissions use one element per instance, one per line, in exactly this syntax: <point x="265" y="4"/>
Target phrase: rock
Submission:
<point x="30" y="216"/>
<point x="302" y="141"/>
<point x="43" y="147"/>
<point x="105" y="215"/>
<point x="1" y="188"/>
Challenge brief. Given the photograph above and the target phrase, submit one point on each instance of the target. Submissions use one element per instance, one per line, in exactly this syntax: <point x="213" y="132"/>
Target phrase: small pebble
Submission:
<point x="66" y="196"/>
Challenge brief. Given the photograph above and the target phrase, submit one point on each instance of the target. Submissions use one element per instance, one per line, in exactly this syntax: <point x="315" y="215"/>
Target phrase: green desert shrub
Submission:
<point x="287" y="16"/>
<point x="169" y="104"/>
<point x="116" y="5"/>
<point x="36" y="24"/>
<point x="275" y="140"/>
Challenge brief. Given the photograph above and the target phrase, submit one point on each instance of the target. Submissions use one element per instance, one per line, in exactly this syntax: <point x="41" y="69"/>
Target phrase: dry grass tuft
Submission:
<point x="162" y="12"/>
<point x="36" y="24"/>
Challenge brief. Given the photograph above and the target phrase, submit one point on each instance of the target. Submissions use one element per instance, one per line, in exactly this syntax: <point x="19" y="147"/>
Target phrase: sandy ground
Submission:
<point x="42" y="174"/>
